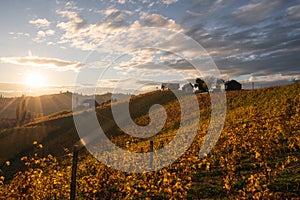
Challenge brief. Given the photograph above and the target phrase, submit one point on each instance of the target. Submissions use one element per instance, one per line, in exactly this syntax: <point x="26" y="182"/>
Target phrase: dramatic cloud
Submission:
<point x="294" y="12"/>
<point x="113" y="33"/>
<point x="41" y="23"/>
<point x="258" y="39"/>
<point x="261" y="38"/>
<point x="255" y="12"/>
<point x="51" y="63"/>
<point x="156" y="20"/>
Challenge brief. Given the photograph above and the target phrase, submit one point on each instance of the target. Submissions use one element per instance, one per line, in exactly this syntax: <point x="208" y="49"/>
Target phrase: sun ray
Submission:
<point x="8" y="104"/>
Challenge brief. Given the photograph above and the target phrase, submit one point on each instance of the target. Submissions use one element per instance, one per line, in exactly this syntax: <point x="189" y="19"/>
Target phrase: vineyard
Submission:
<point x="256" y="157"/>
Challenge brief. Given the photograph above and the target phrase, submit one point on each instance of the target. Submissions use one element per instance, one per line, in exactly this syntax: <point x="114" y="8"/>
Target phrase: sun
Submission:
<point x="35" y="80"/>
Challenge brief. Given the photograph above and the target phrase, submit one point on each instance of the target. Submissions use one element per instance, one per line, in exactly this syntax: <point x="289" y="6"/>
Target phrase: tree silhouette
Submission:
<point x="201" y="85"/>
<point x="21" y="112"/>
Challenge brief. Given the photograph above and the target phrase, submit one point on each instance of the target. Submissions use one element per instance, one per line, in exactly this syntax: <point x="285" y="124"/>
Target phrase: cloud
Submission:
<point x="157" y="20"/>
<point x="165" y="2"/>
<point x="244" y="38"/>
<point x="256" y="37"/>
<point x="110" y="11"/>
<point x="255" y="12"/>
<point x="41" y="23"/>
<point x="268" y="80"/>
<point x="75" y="21"/>
<point x="52" y="63"/>
<point x="153" y="59"/>
<point x="41" y="35"/>
<point x="117" y="18"/>
<point x="13" y="89"/>
<point x="121" y="1"/>
<point x="17" y="35"/>
<point x="168" y="2"/>
<point x="116" y="32"/>
<point x="294" y="12"/>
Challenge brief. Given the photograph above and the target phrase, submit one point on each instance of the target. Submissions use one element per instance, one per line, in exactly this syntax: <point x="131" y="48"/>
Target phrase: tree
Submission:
<point x="201" y="85"/>
<point x="21" y="112"/>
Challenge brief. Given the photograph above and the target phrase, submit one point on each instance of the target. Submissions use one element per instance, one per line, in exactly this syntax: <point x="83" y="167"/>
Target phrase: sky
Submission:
<point x="129" y="46"/>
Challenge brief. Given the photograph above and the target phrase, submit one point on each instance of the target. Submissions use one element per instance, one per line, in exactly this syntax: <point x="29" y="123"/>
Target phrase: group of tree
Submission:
<point x="22" y="115"/>
<point x="201" y="85"/>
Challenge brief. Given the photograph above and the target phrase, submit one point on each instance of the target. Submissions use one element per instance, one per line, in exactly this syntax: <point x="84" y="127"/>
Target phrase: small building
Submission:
<point x="217" y="88"/>
<point x="232" y="85"/>
<point x="90" y="103"/>
<point x="188" y="88"/>
<point x="170" y="86"/>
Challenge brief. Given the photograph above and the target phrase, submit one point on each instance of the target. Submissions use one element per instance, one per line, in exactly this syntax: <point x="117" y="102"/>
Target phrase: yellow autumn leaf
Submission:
<point x="257" y="155"/>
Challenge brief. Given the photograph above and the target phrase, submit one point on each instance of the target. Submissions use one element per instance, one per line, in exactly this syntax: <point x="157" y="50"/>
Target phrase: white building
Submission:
<point x="170" y="86"/>
<point x="188" y="88"/>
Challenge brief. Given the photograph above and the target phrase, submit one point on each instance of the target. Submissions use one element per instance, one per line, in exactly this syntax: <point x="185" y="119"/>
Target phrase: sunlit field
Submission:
<point x="256" y="157"/>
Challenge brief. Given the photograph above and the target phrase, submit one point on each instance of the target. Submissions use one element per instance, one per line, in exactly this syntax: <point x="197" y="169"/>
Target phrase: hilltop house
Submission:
<point x="232" y="85"/>
<point x="90" y="103"/>
<point x="188" y="88"/>
<point x="170" y="86"/>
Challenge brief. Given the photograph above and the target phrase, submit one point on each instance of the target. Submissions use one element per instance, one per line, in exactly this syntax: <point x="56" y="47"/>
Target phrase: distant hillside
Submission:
<point x="44" y="105"/>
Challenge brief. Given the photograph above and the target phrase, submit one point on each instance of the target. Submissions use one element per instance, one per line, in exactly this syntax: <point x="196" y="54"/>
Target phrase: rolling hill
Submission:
<point x="44" y="105"/>
<point x="256" y="157"/>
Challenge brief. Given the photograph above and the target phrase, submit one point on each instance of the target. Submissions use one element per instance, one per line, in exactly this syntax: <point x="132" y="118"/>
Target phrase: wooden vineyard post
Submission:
<point x="151" y="154"/>
<point x="74" y="170"/>
<point x="108" y="160"/>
